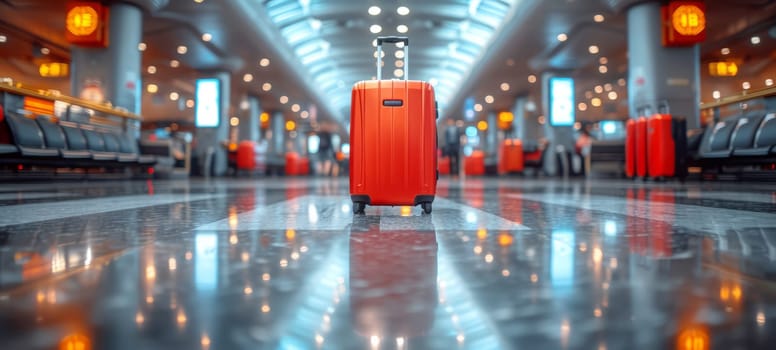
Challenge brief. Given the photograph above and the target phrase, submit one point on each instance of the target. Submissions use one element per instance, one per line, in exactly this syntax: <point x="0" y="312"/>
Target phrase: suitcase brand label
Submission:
<point x="393" y="103"/>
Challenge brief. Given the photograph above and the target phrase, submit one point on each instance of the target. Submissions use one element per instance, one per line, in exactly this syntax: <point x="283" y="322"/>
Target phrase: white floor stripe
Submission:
<point x="714" y="220"/>
<point x="29" y="213"/>
<point x="313" y="212"/>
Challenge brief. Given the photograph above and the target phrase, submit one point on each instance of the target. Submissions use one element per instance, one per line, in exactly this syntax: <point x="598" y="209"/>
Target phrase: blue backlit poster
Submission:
<point x="208" y="102"/>
<point x="561" y="101"/>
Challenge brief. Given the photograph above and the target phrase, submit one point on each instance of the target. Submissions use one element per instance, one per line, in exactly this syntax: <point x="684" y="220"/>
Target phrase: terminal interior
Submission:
<point x="178" y="174"/>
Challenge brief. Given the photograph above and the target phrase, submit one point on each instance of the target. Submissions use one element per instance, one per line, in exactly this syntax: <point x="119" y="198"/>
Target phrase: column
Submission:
<point x="491" y="146"/>
<point x="249" y="120"/>
<point x="277" y="140"/>
<point x="660" y="76"/>
<point x="209" y="150"/>
<point x="113" y="73"/>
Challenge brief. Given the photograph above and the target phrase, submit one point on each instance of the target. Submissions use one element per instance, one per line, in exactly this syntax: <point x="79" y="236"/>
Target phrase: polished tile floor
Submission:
<point x="506" y="263"/>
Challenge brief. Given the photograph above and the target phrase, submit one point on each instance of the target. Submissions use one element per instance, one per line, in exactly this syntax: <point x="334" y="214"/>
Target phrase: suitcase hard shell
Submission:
<point x="474" y="164"/>
<point x="511" y="156"/>
<point x="641" y="147"/>
<point x="630" y="148"/>
<point x="666" y="146"/>
<point x="393" y="159"/>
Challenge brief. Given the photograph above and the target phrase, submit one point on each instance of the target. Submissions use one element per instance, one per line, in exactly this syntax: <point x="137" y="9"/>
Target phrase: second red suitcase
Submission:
<point x="511" y="157"/>
<point x="641" y="147"/>
<point x="393" y="158"/>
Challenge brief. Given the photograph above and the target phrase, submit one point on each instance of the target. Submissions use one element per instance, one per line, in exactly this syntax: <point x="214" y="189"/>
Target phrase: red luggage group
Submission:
<point x="393" y="158"/>
<point x="656" y="147"/>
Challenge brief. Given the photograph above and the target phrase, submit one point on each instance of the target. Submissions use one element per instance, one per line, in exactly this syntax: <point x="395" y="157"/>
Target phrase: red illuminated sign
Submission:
<point x="684" y="23"/>
<point x="86" y="24"/>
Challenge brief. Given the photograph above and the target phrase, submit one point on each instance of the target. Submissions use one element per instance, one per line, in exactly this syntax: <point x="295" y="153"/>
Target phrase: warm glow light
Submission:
<point x="151" y="69"/>
<point x="290" y="125"/>
<point x="283" y="99"/>
<point x="402" y="28"/>
<point x="506" y="117"/>
<point x="582" y="106"/>
<point x="534" y="278"/>
<point x="612" y="95"/>
<point x="403" y="10"/>
<point x="489" y="99"/>
<point x="598" y="18"/>
<point x="768" y="82"/>
<point x="265" y="308"/>
<point x="234" y="121"/>
<point x="716" y="95"/>
<point x="266" y="86"/>
<point x="482" y="125"/>
<point x="688" y="20"/>
<point x="596" y="102"/>
<point x="75" y="342"/>
<point x="264" y="62"/>
<point x="746" y="85"/>
<point x="152" y="88"/>
<point x="290" y="234"/>
<point x="505" y="239"/>
<point x="374" y="10"/>
<point x="172" y="264"/>
<point x="304" y="114"/>
<point x="175" y="63"/>
<point x="182" y="50"/>
<point x="725" y="51"/>
<point x="82" y="20"/>
<point x="603" y="69"/>
<point x="593" y="49"/>
<point x="562" y="37"/>
<point x="54" y="70"/>
<point x="295" y="108"/>
<point x="694" y="338"/>
<point x="248" y="77"/>
<point x="174" y="96"/>
<point x="598" y="89"/>
<point x="375" y="28"/>
<point x="265" y="277"/>
<point x="504" y="87"/>
<point x="477" y="107"/>
<point x="207" y="37"/>
<point x="531" y="78"/>
<point x="142" y="47"/>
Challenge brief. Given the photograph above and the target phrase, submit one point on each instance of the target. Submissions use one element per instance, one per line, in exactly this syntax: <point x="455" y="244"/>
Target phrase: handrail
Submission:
<point x="770" y="91"/>
<point x="68" y="99"/>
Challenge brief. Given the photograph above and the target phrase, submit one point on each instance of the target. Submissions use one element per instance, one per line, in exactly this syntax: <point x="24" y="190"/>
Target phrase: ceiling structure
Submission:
<point x="309" y="53"/>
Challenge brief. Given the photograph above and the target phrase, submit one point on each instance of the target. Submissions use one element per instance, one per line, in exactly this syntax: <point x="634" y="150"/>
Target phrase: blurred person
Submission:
<point x="325" y="153"/>
<point x="452" y="147"/>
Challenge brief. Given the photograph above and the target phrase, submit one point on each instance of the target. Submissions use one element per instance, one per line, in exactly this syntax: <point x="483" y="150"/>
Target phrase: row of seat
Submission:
<point x="745" y="139"/>
<point x="42" y="141"/>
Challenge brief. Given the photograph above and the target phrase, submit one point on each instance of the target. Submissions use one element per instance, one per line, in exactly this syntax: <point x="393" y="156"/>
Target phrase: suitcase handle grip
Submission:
<point x="393" y="40"/>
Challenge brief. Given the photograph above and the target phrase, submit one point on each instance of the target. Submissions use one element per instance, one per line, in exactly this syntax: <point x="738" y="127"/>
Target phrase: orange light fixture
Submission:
<point x="723" y="69"/>
<point x="290" y="125"/>
<point x="38" y="105"/>
<point x="684" y="23"/>
<point x="54" y="70"/>
<point x="86" y="24"/>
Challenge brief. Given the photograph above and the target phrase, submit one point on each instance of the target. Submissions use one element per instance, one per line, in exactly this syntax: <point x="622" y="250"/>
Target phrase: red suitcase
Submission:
<point x="630" y="148"/>
<point x="666" y="146"/>
<point x="393" y="158"/>
<point x="474" y="164"/>
<point x="641" y="147"/>
<point x="511" y="157"/>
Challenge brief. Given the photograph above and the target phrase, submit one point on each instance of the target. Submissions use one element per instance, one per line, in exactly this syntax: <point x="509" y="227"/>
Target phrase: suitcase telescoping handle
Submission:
<point x="391" y="40"/>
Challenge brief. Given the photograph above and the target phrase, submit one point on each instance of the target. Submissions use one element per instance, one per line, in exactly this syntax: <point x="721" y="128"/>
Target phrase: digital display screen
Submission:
<point x="561" y="101"/>
<point x="208" y="101"/>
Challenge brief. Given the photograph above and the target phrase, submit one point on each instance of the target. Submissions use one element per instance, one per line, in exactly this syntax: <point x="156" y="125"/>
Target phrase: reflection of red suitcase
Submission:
<point x="296" y="164"/>
<point x="641" y="147"/>
<point x="393" y="281"/>
<point x="666" y="146"/>
<point x="630" y="148"/>
<point x="444" y="166"/>
<point x="511" y="156"/>
<point x="393" y="159"/>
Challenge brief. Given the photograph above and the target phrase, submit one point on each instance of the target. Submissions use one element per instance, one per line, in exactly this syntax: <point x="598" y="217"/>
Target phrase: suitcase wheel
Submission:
<point x="358" y="207"/>
<point x="426" y="207"/>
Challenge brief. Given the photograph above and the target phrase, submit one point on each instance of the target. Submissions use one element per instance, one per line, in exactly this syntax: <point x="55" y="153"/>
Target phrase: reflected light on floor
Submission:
<point x="290" y="234"/>
<point x="75" y="342"/>
<point x="482" y="234"/>
<point x="406" y="210"/>
<point x="693" y="338"/>
<point x="505" y="239"/>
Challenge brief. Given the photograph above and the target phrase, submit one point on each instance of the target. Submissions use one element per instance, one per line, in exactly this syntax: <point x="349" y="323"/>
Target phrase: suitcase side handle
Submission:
<point x="392" y="39"/>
